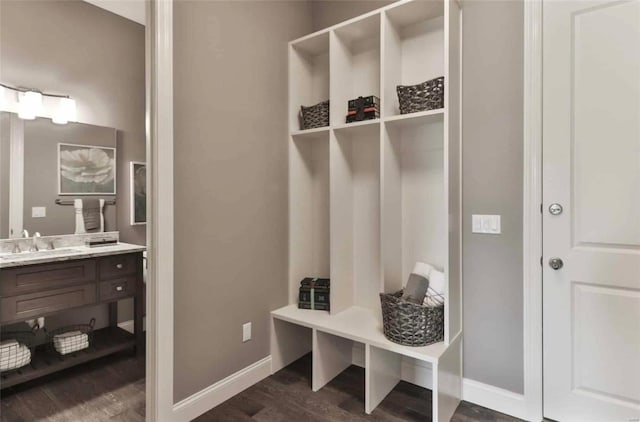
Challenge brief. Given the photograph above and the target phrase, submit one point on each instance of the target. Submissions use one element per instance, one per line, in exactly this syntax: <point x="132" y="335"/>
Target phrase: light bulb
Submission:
<point x="30" y="104"/>
<point x="66" y="111"/>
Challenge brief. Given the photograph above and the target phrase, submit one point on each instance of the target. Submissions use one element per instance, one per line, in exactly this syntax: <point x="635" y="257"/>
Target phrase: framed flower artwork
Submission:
<point x="86" y="170"/>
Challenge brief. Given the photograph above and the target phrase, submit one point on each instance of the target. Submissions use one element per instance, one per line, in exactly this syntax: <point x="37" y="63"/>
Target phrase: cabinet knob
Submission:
<point x="119" y="288"/>
<point x="119" y="266"/>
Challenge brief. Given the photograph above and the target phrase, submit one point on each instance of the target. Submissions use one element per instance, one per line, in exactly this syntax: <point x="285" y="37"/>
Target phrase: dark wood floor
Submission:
<point x="112" y="389"/>
<point x="287" y="397"/>
<point x="107" y="389"/>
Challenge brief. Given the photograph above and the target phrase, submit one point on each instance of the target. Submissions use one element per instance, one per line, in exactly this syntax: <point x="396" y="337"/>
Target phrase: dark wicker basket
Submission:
<point x="13" y="356"/>
<point x="314" y="116"/>
<point x="428" y="95"/>
<point x="411" y="324"/>
<point x="75" y="345"/>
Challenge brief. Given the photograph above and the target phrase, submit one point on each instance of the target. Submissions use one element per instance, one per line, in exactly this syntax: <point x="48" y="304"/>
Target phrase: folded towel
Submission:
<point x="16" y="357"/>
<point x="7" y="344"/>
<point x="91" y="211"/>
<point x="71" y="347"/>
<point x="416" y="289"/>
<point x="422" y="269"/>
<point x="67" y="335"/>
<point x="437" y="282"/>
<point x="71" y="341"/>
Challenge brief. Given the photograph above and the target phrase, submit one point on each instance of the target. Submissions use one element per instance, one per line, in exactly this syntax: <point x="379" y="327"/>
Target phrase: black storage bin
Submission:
<point x="314" y="116"/>
<point x="427" y="95"/>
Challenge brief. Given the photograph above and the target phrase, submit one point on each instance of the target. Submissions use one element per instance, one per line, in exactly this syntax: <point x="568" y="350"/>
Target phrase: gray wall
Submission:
<point x="492" y="181"/>
<point x="41" y="138"/>
<point x="493" y="40"/>
<point x="74" y="48"/>
<point x="230" y="84"/>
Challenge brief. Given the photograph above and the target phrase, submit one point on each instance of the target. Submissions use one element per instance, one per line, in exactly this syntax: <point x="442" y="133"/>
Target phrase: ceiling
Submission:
<point x="131" y="9"/>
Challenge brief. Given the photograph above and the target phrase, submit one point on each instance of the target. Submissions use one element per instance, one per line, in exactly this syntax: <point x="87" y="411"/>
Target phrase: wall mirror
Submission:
<point x="46" y="168"/>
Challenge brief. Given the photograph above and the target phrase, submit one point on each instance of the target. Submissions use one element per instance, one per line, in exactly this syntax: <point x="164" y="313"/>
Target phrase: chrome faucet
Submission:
<point x="34" y="245"/>
<point x="16" y="247"/>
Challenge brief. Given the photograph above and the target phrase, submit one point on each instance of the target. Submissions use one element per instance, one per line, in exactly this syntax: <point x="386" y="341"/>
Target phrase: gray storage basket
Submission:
<point x="411" y="324"/>
<point x="314" y="116"/>
<point x="427" y="95"/>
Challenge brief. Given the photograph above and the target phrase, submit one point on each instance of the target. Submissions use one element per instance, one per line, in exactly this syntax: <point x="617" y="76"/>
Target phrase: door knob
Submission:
<point x="556" y="263"/>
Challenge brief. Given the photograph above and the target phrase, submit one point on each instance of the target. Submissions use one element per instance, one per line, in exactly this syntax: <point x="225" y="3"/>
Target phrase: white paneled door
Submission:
<point x="591" y="210"/>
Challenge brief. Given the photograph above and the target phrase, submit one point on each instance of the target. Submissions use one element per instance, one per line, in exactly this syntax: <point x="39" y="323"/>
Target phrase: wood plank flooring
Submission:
<point x="286" y="397"/>
<point x="112" y="389"/>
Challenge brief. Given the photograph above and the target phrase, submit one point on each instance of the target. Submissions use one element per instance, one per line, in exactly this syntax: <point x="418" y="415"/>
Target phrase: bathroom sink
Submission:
<point x="38" y="254"/>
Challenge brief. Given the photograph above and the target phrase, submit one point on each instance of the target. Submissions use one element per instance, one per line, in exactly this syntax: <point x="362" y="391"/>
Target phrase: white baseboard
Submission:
<point x="208" y="398"/>
<point x="494" y="398"/>
<point x="128" y="325"/>
<point x="413" y="371"/>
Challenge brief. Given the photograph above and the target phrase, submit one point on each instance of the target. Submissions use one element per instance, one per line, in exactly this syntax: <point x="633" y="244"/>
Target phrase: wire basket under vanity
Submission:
<point x="71" y="339"/>
<point x="16" y="350"/>
<point x="411" y="324"/>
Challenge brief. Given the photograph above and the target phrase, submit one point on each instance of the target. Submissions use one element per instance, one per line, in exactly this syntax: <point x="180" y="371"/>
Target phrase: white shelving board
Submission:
<point x="368" y="199"/>
<point x="358" y="324"/>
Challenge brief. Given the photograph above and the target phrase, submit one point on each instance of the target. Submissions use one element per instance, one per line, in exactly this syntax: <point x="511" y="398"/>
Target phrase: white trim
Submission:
<point x="210" y="397"/>
<point x="159" y="362"/>
<point x="16" y="176"/>
<point x="532" y="217"/>
<point x="494" y="398"/>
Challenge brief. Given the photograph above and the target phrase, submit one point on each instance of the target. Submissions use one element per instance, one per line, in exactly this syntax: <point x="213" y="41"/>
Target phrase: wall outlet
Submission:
<point x="38" y="212"/>
<point x="486" y="224"/>
<point x="246" y="332"/>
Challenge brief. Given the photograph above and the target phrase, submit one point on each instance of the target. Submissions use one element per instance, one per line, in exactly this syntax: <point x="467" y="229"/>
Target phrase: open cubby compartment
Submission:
<point x="289" y="342"/>
<point x="356" y="278"/>
<point x="413" y="50"/>
<point x="308" y="74"/>
<point x="308" y="209"/>
<point x="331" y="355"/>
<point x="355" y="64"/>
<point x="414" y="221"/>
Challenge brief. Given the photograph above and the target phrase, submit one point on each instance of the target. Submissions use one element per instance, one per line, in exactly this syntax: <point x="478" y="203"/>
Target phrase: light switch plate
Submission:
<point x="246" y="332"/>
<point x="486" y="224"/>
<point x="38" y="212"/>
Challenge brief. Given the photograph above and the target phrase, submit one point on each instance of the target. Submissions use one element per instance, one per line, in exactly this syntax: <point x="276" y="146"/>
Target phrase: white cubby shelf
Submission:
<point x="369" y="199"/>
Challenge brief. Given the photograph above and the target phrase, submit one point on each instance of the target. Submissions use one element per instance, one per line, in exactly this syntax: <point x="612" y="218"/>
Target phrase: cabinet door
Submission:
<point x="32" y="278"/>
<point x="19" y="308"/>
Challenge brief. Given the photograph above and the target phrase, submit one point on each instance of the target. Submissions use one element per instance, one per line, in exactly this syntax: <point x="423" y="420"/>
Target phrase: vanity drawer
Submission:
<point x="33" y="305"/>
<point x="32" y="278"/>
<point x="117" y="266"/>
<point x="117" y="288"/>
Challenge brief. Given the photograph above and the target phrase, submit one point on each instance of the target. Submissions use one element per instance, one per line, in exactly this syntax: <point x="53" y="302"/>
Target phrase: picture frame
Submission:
<point x="86" y="170"/>
<point x="138" y="192"/>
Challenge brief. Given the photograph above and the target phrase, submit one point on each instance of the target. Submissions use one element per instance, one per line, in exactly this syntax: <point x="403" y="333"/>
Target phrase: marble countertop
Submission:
<point x="8" y="259"/>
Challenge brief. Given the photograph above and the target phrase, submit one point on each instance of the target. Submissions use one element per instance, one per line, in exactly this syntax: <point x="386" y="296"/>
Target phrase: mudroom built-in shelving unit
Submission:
<point x="369" y="199"/>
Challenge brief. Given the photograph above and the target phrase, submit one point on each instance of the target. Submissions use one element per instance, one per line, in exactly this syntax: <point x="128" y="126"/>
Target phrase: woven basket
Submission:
<point x="411" y="324"/>
<point x="428" y="95"/>
<point x="75" y="344"/>
<point x="314" y="116"/>
<point x="13" y="358"/>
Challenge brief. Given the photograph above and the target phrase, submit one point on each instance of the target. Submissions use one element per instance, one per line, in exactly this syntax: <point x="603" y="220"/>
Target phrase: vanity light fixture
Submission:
<point x="65" y="112"/>
<point x="30" y="104"/>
